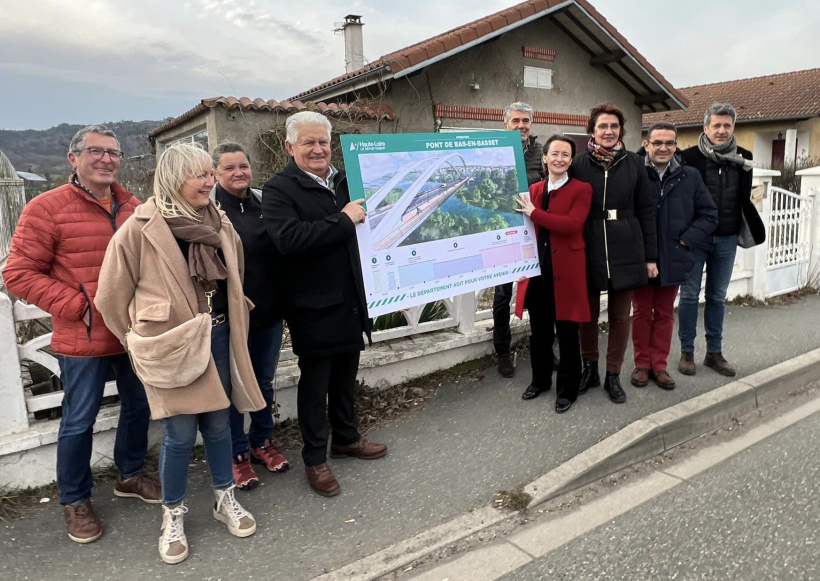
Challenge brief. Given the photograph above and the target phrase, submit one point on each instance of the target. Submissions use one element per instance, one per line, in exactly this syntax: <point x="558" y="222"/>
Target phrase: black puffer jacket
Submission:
<point x="731" y="189"/>
<point x="323" y="291"/>
<point x="532" y="161"/>
<point x="686" y="213"/>
<point x="618" y="248"/>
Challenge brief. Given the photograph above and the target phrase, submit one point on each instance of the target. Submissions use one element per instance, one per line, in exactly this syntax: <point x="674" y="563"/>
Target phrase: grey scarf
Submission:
<point x="726" y="153"/>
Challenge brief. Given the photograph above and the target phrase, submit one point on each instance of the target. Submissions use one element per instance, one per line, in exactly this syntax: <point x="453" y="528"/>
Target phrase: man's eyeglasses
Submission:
<point x="604" y="127"/>
<point x="659" y="144"/>
<point x="99" y="152"/>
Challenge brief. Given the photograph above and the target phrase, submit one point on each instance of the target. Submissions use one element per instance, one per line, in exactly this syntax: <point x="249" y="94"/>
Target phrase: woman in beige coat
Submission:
<point x="171" y="290"/>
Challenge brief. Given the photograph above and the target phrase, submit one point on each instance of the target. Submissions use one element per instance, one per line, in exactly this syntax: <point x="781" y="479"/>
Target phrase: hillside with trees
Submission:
<point x="44" y="151"/>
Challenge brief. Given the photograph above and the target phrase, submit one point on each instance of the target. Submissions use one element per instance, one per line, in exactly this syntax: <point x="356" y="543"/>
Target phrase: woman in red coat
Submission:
<point x="556" y="300"/>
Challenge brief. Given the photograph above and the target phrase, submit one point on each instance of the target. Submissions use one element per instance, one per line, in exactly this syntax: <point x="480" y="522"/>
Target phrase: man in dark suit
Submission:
<point x="309" y="215"/>
<point x="726" y="169"/>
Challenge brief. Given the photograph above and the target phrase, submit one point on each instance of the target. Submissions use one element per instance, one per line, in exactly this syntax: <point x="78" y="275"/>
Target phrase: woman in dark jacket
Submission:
<point x="243" y="206"/>
<point x="622" y="247"/>
<point x="556" y="300"/>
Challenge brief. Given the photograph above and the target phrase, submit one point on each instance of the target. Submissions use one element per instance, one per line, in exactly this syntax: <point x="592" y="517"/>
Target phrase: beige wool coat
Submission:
<point x="145" y="284"/>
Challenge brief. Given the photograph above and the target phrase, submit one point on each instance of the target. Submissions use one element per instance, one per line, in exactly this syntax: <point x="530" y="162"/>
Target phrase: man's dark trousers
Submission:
<point x="501" y="319"/>
<point x="326" y="387"/>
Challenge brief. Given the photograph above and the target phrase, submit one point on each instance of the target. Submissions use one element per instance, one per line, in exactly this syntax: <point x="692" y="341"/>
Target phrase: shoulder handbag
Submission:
<point x="175" y="358"/>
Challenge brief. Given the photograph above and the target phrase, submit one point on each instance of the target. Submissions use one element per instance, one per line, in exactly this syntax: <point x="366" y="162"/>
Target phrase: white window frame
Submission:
<point x="538" y="78"/>
<point x="200" y="136"/>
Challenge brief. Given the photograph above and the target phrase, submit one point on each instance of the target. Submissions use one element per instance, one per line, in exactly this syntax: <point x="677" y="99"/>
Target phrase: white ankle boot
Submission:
<point x="173" y="545"/>
<point x="228" y="510"/>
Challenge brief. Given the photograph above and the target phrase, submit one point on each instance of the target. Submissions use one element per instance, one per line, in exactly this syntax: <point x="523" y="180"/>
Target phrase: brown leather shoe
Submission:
<point x="322" y="480"/>
<point x="361" y="449"/>
<point x="640" y="377"/>
<point x="82" y="524"/>
<point x="687" y="363"/>
<point x="717" y="362"/>
<point x="663" y="379"/>
<point x="143" y="486"/>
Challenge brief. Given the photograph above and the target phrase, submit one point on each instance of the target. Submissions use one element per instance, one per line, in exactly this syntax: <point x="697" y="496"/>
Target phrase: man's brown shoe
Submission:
<point x="663" y="379"/>
<point x="361" y="449"/>
<point x="687" y="363"/>
<point x="82" y="524"/>
<point x="505" y="366"/>
<point x="322" y="480"/>
<point x="718" y="363"/>
<point x="143" y="486"/>
<point x="640" y="377"/>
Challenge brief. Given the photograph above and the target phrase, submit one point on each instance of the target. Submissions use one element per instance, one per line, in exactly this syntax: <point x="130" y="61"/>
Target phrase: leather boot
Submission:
<point x="612" y="385"/>
<point x="717" y="362"/>
<point x="687" y="364"/>
<point x="589" y="376"/>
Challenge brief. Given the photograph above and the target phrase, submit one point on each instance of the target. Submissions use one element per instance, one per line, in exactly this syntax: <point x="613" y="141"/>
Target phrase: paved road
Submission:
<point x="752" y="517"/>
<point x="474" y="439"/>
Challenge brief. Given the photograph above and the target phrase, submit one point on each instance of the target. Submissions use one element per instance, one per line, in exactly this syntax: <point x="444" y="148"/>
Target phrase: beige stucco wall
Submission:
<point x="498" y="68"/>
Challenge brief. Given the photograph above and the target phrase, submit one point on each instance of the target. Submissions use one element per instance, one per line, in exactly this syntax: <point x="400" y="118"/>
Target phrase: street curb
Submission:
<point x="639" y="441"/>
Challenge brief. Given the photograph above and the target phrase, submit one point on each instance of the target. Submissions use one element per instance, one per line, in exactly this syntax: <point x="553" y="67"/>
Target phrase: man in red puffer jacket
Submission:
<point x="56" y="254"/>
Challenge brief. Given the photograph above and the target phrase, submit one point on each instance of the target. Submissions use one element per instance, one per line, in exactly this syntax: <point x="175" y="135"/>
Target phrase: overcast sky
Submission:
<point x="91" y="61"/>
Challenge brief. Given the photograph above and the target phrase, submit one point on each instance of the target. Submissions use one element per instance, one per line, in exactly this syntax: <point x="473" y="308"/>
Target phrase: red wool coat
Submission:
<point x="56" y="254"/>
<point x="568" y="210"/>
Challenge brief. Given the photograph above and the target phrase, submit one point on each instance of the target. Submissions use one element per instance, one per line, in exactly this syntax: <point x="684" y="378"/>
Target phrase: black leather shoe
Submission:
<point x="505" y="366"/>
<point x="612" y="385"/>
<point x="589" y="376"/>
<point x="562" y="405"/>
<point x="533" y="391"/>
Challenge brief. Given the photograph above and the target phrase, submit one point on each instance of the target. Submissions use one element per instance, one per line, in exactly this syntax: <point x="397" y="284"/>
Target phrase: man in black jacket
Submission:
<point x="727" y="171"/>
<point x="309" y="215"/>
<point x="686" y="216"/>
<point x="517" y="117"/>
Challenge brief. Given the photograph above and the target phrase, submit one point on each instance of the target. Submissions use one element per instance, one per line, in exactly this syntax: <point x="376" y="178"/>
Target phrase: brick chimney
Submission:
<point x="354" y="46"/>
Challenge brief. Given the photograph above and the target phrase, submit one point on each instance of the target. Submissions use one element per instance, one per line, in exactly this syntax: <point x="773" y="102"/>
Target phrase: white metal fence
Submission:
<point x="788" y="240"/>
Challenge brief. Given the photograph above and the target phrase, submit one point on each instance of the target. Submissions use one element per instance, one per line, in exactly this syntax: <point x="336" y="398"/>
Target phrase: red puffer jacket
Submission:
<point x="56" y="254"/>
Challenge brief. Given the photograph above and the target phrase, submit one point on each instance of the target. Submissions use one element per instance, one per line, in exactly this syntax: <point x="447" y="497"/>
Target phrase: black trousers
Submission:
<point x="541" y="306"/>
<point x="501" y="318"/>
<point x="326" y="393"/>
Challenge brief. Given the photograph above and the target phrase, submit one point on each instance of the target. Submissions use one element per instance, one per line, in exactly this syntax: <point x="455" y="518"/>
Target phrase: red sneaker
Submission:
<point x="244" y="476"/>
<point x="270" y="457"/>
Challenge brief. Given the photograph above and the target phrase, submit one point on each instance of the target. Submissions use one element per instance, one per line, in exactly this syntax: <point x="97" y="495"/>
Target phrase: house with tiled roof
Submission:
<point x="778" y="116"/>
<point x="561" y="57"/>
<point x="241" y="120"/>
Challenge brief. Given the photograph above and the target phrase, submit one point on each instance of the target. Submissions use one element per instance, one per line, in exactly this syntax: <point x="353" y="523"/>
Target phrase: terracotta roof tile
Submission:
<point x="483" y="27"/>
<point x="785" y="95"/>
<point x="527" y="10"/>
<point x="246" y="104"/>
<point x="452" y="39"/>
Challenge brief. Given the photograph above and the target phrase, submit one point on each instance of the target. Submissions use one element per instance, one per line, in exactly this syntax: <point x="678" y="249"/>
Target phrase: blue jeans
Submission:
<point x="718" y="253"/>
<point x="83" y="385"/>
<point x="264" y="344"/>
<point x="180" y="433"/>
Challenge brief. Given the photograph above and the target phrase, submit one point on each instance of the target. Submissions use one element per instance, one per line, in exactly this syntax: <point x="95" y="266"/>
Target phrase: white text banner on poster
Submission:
<point x="441" y="214"/>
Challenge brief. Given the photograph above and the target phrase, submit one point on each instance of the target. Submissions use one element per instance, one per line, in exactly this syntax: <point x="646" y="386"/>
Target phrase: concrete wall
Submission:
<point x="758" y="137"/>
<point x="203" y="121"/>
<point x="498" y="68"/>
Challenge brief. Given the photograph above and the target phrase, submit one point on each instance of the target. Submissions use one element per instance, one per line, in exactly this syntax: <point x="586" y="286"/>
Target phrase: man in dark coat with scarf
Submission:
<point x="517" y="117"/>
<point x="309" y="215"/>
<point x="686" y="217"/>
<point x="727" y="171"/>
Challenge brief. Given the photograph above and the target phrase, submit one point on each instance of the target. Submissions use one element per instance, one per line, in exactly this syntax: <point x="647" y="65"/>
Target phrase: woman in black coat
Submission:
<point x="622" y="248"/>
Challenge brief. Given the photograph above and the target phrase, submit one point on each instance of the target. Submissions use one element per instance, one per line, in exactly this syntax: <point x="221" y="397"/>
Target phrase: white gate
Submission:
<point x="789" y="237"/>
